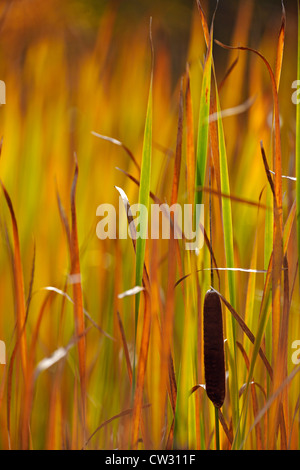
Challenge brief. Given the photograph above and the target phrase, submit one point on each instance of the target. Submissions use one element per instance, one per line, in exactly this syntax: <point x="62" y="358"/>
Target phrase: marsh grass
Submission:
<point x="86" y="367"/>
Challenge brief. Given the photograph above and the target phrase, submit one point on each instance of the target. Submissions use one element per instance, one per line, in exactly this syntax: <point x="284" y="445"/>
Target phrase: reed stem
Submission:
<point x="217" y="430"/>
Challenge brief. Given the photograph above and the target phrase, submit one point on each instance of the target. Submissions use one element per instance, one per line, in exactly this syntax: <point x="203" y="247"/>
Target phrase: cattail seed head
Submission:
<point x="214" y="364"/>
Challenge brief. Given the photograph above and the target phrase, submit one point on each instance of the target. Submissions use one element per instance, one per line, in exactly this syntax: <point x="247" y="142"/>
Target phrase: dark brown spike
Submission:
<point x="214" y="363"/>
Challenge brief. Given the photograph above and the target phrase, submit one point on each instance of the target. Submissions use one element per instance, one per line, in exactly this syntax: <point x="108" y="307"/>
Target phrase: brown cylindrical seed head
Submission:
<point x="214" y="364"/>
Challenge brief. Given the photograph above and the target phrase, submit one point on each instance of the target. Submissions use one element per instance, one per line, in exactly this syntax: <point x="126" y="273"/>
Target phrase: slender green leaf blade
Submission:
<point x="203" y="125"/>
<point x="144" y="196"/>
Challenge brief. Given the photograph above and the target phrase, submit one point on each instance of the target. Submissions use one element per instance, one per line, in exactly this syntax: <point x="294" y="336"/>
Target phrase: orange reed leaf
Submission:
<point x="19" y="285"/>
<point x="280" y="46"/>
<point x="177" y="164"/>
<point x="254" y="398"/>
<point x="204" y="23"/>
<point x="28" y="395"/>
<point x="225" y="427"/>
<point x="75" y="277"/>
